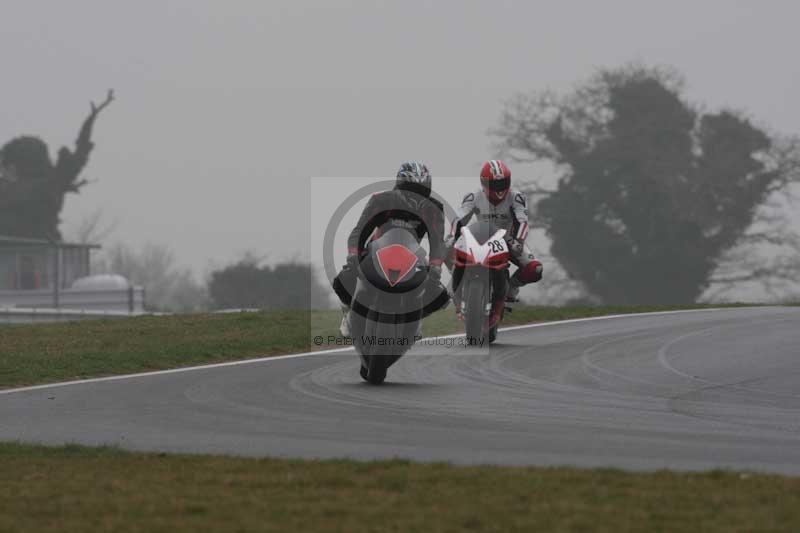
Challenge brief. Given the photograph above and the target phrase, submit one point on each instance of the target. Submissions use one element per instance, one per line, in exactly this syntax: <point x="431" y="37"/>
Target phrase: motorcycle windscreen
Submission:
<point x="482" y="231"/>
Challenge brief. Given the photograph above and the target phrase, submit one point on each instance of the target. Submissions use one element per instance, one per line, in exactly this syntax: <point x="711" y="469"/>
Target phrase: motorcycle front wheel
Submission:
<point x="475" y="307"/>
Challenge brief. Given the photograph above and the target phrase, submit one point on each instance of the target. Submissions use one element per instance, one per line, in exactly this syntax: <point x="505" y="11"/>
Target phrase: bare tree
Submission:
<point x="70" y="162"/>
<point x="92" y="228"/>
<point x="167" y="286"/>
<point x="32" y="187"/>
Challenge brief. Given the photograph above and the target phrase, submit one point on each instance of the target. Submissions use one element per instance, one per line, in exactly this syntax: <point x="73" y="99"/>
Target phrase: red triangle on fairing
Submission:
<point x="396" y="261"/>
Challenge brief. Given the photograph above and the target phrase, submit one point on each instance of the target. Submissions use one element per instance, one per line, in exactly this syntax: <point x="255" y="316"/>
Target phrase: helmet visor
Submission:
<point x="497" y="185"/>
<point x="416" y="187"/>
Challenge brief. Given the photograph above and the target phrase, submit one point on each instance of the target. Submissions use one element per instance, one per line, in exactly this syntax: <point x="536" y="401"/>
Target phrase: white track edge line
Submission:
<point x="337" y="350"/>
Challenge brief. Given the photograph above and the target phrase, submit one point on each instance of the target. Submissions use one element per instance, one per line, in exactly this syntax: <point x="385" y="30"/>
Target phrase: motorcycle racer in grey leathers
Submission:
<point x="410" y="206"/>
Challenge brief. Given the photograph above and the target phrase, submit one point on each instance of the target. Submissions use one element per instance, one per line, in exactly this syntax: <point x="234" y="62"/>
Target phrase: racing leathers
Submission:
<point x="397" y="208"/>
<point x="510" y="214"/>
<point x="401" y="209"/>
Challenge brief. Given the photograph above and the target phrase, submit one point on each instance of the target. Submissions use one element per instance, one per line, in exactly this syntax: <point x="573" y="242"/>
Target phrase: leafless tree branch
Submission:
<point x="97" y="108"/>
<point x="93" y="228"/>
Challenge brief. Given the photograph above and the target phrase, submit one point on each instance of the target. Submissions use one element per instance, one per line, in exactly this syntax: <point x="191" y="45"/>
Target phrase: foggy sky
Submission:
<point x="224" y="109"/>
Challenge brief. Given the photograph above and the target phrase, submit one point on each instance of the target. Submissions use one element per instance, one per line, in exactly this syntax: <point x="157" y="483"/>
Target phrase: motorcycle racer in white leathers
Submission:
<point x="507" y="208"/>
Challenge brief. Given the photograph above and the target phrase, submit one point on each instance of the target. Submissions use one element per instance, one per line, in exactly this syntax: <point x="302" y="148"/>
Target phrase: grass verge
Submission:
<point x="43" y="353"/>
<point x="88" y="489"/>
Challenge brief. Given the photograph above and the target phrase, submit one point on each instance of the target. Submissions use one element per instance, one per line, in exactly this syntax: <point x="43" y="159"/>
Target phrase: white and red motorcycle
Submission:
<point x="480" y="279"/>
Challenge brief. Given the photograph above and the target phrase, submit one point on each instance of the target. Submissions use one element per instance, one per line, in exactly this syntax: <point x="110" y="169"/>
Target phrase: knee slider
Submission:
<point x="531" y="273"/>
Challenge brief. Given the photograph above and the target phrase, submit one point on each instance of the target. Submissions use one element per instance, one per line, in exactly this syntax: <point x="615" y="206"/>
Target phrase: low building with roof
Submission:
<point x="39" y="273"/>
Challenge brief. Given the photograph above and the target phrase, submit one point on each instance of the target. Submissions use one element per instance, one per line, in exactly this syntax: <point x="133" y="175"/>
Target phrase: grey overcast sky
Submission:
<point x="225" y="108"/>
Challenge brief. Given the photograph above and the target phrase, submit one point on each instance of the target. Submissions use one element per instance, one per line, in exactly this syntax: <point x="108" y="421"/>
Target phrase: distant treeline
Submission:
<point x="653" y="200"/>
<point x="245" y="284"/>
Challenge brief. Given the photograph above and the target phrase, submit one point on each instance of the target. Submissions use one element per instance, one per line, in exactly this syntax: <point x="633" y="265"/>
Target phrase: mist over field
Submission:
<point x="225" y="112"/>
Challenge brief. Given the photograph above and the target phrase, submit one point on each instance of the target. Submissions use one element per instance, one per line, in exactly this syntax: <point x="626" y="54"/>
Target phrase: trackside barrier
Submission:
<point x="130" y="300"/>
<point x="18" y="315"/>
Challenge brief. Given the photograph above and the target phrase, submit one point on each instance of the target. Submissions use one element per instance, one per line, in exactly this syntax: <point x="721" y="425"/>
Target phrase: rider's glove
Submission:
<point x="352" y="262"/>
<point x="449" y="252"/>
<point x="514" y="245"/>
<point x="435" y="273"/>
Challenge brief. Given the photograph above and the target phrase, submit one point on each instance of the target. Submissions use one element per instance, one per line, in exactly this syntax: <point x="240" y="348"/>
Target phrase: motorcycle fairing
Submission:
<point x="492" y="252"/>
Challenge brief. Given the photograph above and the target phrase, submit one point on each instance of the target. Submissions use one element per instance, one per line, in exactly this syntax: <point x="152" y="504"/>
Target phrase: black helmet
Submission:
<point x="414" y="176"/>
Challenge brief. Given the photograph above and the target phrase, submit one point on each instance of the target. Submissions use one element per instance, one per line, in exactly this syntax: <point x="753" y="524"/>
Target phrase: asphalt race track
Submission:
<point x="690" y="390"/>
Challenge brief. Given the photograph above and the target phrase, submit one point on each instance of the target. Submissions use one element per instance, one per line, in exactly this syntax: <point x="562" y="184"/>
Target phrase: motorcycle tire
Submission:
<point x="493" y="334"/>
<point x="376" y="373"/>
<point x="475" y="307"/>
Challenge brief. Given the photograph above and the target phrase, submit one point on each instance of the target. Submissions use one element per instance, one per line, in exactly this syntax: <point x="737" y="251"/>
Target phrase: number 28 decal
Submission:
<point x="497" y="246"/>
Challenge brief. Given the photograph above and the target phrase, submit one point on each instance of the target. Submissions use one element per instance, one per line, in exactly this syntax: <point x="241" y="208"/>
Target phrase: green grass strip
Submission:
<point x="44" y="353"/>
<point x="104" y="489"/>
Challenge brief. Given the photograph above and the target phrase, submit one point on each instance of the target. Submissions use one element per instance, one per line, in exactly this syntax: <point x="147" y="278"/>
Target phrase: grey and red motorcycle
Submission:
<point x="392" y="296"/>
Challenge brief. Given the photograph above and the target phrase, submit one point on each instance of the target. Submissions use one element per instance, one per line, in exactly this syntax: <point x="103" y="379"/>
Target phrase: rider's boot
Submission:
<point x="344" y="328"/>
<point x="513" y="289"/>
<point x="455" y="297"/>
<point x="459" y="311"/>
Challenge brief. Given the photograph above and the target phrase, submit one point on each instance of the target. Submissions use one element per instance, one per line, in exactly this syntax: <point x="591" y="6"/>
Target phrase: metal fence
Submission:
<point x="129" y="300"/>
<point x="20" y="315"/>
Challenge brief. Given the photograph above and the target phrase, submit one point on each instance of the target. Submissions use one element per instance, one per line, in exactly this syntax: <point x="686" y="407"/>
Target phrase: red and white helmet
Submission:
<point x="495" y="180"/>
